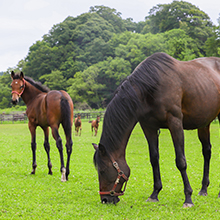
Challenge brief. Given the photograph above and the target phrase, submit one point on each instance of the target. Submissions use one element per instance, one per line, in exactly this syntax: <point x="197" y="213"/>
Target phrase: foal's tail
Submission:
<point x="66" y="116"/>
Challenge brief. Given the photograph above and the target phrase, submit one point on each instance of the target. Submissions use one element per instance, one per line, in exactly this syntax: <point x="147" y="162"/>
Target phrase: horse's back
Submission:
<point x="190" y="89"/>
<point x="201" y="92"/>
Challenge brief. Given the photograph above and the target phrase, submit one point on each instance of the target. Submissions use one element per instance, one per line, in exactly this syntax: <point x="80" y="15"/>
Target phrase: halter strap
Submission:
<point x="120" y="174"/>
<point x="19" y="94"/>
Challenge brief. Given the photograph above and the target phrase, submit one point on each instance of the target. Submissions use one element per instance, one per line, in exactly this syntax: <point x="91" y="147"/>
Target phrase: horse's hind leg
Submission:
<point x="152" y="138"/>
<point x="204" y="137"/>
<point x="58" y="139"/>
<point x="47" y="149"/>
<point x="69" y="144"/>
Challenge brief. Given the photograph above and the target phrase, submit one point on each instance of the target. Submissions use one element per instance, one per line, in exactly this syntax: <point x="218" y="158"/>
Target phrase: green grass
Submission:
<point x="40" y="196"/>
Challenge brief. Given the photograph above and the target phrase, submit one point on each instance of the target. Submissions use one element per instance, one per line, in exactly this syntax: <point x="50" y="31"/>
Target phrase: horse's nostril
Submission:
<point x="104" y="200"/>
<point x="14" y="102"/>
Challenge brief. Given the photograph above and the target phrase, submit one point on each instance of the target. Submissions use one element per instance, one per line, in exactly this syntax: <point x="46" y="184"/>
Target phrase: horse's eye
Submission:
<point x="102" y="172"/>
<point x="22" y="87"/>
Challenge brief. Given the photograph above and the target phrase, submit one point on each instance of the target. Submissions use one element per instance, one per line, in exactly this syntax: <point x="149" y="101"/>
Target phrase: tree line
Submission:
<point x="89" y="55"/>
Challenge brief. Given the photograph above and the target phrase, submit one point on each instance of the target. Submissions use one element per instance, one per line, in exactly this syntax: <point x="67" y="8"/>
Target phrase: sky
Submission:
<point x="24" y="22"/>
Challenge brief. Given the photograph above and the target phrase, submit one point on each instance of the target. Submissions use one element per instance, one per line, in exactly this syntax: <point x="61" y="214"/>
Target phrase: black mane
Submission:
<point x="125" y="103"/>
<point x="37" y="85"/>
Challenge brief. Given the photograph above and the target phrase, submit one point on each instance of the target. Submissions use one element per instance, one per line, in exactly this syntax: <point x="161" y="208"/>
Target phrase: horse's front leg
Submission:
<point x="47" y="148"/>
<point x="176" y="129"/>
<point x="152" y="138"/>
<point x="32" y="129"/>
<point x="58" y="139"/>
<point x="204" y="137"/>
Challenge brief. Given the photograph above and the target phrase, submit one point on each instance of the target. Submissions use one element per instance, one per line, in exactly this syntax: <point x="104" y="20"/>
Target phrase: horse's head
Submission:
<point x="113" y="175"/>
<point x="18" y="86"/>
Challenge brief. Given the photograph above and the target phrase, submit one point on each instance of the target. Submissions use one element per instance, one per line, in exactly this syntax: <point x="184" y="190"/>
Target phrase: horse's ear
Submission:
<point x="12" y="74"/>
<point x="101" y="148"/>
<point x="21" y="75"/>
<point x="95" y="146"/>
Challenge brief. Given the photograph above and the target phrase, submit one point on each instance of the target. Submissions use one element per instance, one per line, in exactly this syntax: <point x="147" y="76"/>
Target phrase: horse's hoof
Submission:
<point x="188" y="205"/>
<point x="63" y="180"/>
<point x="203" y="193"/>
<point x="152" y="200"/>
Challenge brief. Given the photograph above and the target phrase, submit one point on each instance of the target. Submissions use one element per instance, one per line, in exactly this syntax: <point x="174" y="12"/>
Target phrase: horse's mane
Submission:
<point x="37" y="85"/>
<point x="144" y="80"/>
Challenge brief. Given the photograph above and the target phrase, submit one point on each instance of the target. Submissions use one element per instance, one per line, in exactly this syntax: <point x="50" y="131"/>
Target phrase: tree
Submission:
<point x="111" y="15"/>
<point x="212" y="45"/>
<point x="84" y="87"/>
<point x="5" y="91"/>
<point x="181" y="14"/>
<point x="54" y="80"/>
<point x="180" y="45"/>
<point x="41" y="59"/>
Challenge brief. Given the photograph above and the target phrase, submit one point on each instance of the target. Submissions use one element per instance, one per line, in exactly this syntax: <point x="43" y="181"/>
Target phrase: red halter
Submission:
<point x="19" y="94"/>
<point x="120" y="174"/>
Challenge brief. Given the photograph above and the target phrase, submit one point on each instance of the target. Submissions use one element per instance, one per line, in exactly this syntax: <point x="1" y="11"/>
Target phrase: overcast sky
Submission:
<point x="24" y="22"/>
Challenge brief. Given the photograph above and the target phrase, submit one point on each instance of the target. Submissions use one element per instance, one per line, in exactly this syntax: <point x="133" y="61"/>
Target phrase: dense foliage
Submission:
<point x="89" y="55"/>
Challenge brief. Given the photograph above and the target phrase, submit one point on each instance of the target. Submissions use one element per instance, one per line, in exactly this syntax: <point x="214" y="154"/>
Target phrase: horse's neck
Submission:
<point x="30" y="93"/>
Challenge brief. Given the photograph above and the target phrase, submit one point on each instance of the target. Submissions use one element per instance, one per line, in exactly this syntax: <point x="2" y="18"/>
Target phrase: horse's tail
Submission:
<point x="66" y="116"/>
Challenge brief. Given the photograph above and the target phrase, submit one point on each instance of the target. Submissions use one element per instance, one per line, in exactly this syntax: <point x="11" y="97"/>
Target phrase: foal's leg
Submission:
<point x="32" y="129"/>
<point x="152" y="138"/>
<point x="47" y="149"/>
<point x="58" y="139"/>
<point x="176" y="129"/>
<point x="204" y="137"/>
<point x="80" y="131"/>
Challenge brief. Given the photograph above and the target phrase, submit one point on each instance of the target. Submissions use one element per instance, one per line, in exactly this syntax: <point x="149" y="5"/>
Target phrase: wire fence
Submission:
<point x="22" y="117"/>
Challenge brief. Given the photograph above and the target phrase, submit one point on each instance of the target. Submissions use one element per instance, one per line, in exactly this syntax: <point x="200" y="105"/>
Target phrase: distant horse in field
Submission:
<point x="162" y="92"/>
<point x="45" y="108"/>
<point x="78" y="125"/>
<point x="95" y="125"/>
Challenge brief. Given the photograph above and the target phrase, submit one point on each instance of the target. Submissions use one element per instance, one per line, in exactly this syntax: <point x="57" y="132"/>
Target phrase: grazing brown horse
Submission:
<point x="45" y="108"/>
<point x="95" y="125"/>
<point x="78" y="125"/>
<point x="162" y="92"/>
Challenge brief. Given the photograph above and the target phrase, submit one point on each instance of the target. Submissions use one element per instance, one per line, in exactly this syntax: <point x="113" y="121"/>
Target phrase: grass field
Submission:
<point x="40" y="196"/>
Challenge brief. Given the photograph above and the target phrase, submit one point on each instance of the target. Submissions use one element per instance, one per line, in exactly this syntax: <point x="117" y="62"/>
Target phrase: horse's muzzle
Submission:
<point x="109" y="199"/>
<point x="15" y="101"/>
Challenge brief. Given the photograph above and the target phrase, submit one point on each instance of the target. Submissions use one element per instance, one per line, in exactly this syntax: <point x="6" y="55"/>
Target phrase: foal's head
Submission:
<point x="18" y="86"/>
